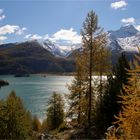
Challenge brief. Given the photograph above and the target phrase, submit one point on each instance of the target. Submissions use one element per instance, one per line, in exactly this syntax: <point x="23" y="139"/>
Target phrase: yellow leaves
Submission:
<point x="36" y="124"/>
<point x="15" y="120"/>
<point x="111" y="135"/>
<point x="129" y="119"/>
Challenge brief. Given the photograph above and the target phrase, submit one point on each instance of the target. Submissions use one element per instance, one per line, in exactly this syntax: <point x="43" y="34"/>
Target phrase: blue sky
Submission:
<point x="22" y="20"/>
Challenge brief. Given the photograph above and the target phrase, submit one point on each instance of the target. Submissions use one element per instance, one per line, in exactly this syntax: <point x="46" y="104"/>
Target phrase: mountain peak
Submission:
<point x="129" y="28"/>
<point x="124" y="31"/>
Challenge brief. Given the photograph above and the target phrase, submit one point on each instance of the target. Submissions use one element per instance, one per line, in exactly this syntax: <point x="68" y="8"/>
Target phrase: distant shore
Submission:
<point x="43" y="74"/>
<point x="46" y="74"/>
<point x="56" y="74"/>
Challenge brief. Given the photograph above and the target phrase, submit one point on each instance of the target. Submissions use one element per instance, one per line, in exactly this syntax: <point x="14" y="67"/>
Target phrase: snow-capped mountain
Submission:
<point x="124" y="31"/>
<point x="127" y="39"/>
<point x="46" y="56"/>
<point x="60" y="49"/>
<point x="57" y="49"/>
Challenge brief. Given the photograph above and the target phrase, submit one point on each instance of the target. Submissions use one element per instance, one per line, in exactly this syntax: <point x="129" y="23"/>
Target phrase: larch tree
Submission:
<point x="94" y="42"/>
<point x="15" y="122"/>
<point x="55" y="111"/>
<point x="128" y="120"/>
<point x="36" y="124"/>
<point x="102" y="61"/>
<point x="77" y="97"/>
<point x="44" y="126"/>
<point x="90" y="26"/>
<point x="93" y="57"/>
<point x="3" y="119"/>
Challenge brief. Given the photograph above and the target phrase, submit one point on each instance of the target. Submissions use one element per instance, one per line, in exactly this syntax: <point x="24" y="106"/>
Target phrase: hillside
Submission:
<point x="30" y="57"/>
<point x="37" y="56"/>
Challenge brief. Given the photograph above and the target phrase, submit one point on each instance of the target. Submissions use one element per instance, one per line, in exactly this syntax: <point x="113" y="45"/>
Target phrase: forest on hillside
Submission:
<point x="98" y="108"/>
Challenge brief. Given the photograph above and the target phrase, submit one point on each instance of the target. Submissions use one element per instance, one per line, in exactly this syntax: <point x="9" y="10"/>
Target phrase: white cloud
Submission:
<point x="128" y="21"/>
<point x="69" y="36"/>
<point x="1" y="11"/>
<point x="2" y="38"/>
<point x="62" y="36"/>
<point x="118" y="5"/>
<point x="20" y="30"/>
<point x="28" y="36"/>
<point x="2" y="16"/>
<point x="33" y="37"/>
<point x="11" y="29"/>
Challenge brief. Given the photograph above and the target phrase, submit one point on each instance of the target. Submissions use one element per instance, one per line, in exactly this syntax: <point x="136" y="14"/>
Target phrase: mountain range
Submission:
<point x="35" y="56"/>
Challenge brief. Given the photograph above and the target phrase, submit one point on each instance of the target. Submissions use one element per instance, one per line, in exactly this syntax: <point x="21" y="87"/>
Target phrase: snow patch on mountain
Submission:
<point x="130" y="43"/>
<point x="58" y="49"/>
<point x="127" y="38"/>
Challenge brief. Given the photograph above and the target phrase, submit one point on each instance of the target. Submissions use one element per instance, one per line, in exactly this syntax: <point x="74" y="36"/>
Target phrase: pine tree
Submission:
<point x="55" y="111"/>
<point x="128" y="120"/>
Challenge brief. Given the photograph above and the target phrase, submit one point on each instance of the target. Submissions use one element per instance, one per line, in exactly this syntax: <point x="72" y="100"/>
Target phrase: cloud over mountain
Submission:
<point x="33" y="37"/>
<point x="67" y="36"/>
<point x="2" y="38"/>
<point x="10" y="29"/>
<point x="128" y="21"/>
<point x="70" y="36"/>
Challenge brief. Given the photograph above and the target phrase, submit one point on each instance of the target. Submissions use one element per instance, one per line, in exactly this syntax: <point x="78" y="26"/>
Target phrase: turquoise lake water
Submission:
<point x="35" y="90"/>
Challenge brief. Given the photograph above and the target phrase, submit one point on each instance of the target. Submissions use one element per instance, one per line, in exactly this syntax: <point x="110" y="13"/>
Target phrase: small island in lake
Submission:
<point x="21" y="75"/>
<point x="3" y="83"/>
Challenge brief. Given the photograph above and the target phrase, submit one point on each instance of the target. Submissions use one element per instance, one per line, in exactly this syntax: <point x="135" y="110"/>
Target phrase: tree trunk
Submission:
<point x="101" y="86"/>
<point x="79" y="109"/>
<point x="90" y="86"/>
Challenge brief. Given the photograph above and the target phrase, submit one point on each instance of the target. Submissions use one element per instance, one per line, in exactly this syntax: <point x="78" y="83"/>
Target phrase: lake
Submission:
<point x="35" y="90"/>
